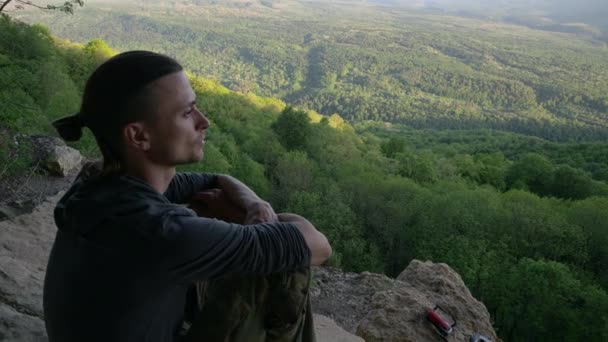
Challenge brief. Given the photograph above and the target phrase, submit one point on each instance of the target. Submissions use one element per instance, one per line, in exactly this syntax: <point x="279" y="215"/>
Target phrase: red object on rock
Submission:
<point x="441" y="324"/>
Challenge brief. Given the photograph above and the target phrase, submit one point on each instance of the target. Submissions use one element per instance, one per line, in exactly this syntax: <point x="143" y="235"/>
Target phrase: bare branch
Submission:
<point x="4" y="5"/>
<point x="7" y="167"/>
<point x="27" y="179"/>
<point x="29" y="3"/>
<point x="67" y="7"/>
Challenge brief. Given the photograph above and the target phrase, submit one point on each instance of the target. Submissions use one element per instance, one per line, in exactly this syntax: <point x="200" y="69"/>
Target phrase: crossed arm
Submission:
<point x="234" y="202"/>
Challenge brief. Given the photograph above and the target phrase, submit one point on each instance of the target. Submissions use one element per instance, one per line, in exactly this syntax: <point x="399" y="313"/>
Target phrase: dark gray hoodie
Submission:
<point x="124" y="256"/>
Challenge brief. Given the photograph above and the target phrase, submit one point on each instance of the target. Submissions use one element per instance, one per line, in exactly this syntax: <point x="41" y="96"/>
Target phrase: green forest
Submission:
<point x="422" y="68"/>
<point x="523" y="219"/>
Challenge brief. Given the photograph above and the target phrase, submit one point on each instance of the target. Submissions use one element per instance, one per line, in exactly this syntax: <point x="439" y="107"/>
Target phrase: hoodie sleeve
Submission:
<point x="185" y="184"/>
<point x="205" y="249"/>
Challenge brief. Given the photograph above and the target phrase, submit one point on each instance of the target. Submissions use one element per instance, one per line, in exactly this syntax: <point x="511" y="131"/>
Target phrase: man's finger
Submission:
<point x="207" y="195"/>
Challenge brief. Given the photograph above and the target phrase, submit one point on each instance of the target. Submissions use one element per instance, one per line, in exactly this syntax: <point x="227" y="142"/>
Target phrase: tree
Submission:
<point x="591" y="215"/>
<point x="571" y="183"/>
<point x="328" y="212"/>
<point x="492" y="169"/>
<point x="293" y="172"/>
<point x="533" y="172"/>
<point x="546" y="302"/>
<point x="292" y="128"/>
<point x="393" y="146"/>
<point x="98" y="51"/>
<point x="417" y="166"/>
<point x="66" y="7"/>
<point x="536" y="228"/>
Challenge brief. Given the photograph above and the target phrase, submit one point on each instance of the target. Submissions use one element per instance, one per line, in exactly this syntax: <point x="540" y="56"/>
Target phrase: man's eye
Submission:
<point x="189" y="111"/>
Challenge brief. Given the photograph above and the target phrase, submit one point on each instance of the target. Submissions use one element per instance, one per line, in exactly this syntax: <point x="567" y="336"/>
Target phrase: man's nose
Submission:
<point x="202" y="121"/>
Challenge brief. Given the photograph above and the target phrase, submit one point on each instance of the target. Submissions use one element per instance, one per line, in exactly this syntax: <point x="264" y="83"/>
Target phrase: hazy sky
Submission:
<point x="589" y="11"/>
<point x="550" y="5"/>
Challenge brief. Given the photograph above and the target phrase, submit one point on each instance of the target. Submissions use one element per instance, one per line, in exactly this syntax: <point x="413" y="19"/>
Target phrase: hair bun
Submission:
<point x="69" y="127"/>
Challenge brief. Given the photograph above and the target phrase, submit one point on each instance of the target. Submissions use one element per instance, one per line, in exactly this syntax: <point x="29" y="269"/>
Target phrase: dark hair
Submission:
<point x="112" y="98"/>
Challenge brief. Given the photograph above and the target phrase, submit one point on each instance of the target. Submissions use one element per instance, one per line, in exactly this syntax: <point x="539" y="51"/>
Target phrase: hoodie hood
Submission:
<point x="94" y="200"/>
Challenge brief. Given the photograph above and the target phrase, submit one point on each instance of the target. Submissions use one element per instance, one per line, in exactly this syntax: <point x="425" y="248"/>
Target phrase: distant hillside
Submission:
<point x="369" y="61"/>
<point x="584" y="17"/>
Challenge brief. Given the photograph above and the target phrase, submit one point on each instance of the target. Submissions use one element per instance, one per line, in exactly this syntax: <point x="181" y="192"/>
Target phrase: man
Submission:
<point x="126" y="252"/>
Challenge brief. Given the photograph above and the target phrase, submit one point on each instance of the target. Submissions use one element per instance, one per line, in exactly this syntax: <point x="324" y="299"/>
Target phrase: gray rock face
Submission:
<point x="345" y="297"/>
<point x="7" y="212"/>
<point x="18" y="327"/>
<point x="327" y="330"/>
<point x="15" y="208"/>
<point x="25" y="243"/>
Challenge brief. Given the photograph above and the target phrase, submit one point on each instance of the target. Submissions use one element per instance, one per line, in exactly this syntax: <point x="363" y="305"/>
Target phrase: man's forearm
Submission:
<point x="320" y="249"/>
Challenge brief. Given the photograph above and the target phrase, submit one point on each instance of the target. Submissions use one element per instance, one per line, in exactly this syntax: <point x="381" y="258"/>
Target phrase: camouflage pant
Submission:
<point x="253" y="308"/>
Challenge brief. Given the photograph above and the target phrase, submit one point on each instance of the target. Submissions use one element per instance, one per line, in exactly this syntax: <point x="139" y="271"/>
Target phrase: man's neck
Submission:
<point x="156" y="176"/>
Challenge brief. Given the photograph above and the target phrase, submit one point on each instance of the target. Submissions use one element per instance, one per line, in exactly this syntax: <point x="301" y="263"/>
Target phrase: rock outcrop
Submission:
<point x="398" y="314"/>
<point x="55" y="156"/>
<point x="373" y="306"/>
<point x="25" y="188"/>
<point x="379" y="308"/>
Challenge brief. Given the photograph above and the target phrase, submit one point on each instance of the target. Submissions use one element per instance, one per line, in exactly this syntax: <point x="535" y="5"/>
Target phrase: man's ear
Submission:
<point x="136" y="136"/>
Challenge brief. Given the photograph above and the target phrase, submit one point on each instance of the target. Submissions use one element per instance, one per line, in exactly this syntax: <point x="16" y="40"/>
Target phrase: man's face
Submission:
<point x="177" y="130"/>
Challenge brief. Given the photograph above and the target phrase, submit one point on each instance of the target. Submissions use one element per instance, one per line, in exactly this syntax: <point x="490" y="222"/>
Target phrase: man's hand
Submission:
<point x="257" y="210"/>
<point x="215" y="204"/>
<point x="260" y="212"/>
